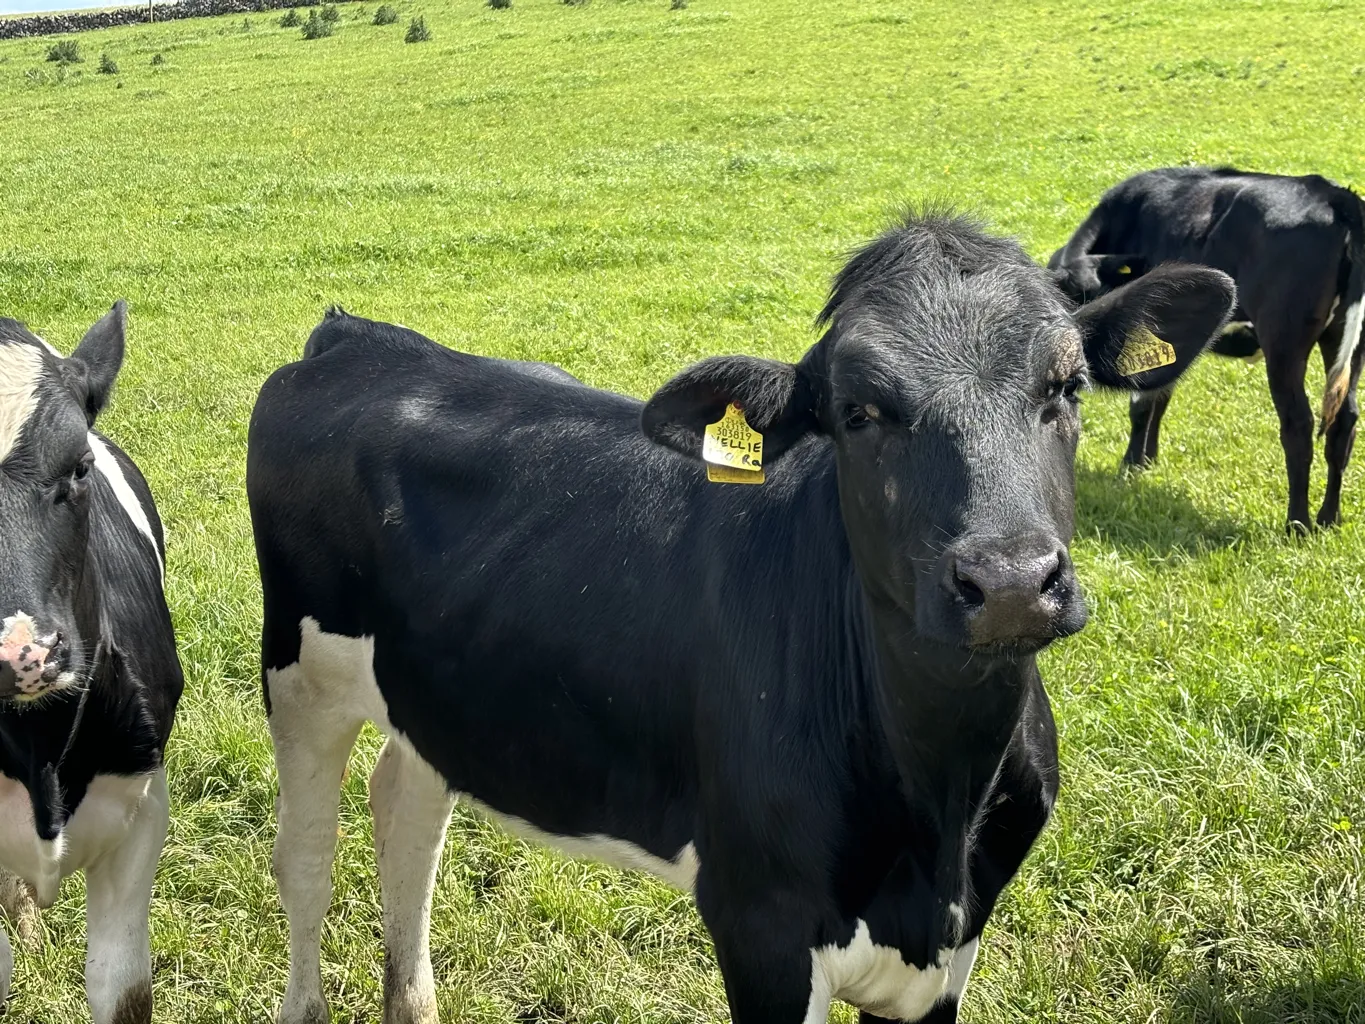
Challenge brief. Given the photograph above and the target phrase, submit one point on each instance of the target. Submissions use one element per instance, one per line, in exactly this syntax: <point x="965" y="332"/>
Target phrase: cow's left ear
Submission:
<point x="98" y="357"/>
<point x="1143" y="336"/>
<point x="777" y="400"/>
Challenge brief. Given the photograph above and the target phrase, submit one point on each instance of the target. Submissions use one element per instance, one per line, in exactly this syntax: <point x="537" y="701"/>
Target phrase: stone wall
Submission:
<point x="85" y="21"/>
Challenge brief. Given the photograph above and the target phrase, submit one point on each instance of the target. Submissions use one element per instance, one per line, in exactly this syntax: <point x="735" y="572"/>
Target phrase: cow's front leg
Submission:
<point x="118" y="961"/>
<point x="6" y="967"/>
<point x="764" y="952"/>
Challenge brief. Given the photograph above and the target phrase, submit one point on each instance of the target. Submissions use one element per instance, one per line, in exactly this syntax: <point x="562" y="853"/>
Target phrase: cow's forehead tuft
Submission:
<point x="21" y="373"/>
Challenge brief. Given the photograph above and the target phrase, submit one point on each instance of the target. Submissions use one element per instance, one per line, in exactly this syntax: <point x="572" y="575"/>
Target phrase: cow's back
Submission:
<point x="529" y="565"/>
<point x="1218" y="216"/>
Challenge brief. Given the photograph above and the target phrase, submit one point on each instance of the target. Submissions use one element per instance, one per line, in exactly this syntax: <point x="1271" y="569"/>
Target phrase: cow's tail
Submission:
<point x="1350" y="209"/>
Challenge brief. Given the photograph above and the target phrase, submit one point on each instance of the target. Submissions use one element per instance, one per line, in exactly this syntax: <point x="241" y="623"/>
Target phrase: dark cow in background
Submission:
<point x="1295" y="247"/>
<point x="814" y="703"/>
<point x="89" y="677"/>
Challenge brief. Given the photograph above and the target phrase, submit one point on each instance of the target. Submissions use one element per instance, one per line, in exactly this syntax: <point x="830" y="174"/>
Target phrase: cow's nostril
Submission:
<point x="1053" y="581"/>
<point x="57" y="638"/>
<point x="968" y="590"/>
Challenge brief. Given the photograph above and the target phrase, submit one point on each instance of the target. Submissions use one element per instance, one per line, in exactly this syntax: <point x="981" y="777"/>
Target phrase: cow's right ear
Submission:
<point x="1143" y="336"/>
<point x="776" y="398"/>
<point x="97" y="360"/>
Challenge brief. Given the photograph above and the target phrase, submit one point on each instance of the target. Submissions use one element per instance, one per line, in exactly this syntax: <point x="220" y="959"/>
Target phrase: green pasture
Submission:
<point x="622" y="188"/>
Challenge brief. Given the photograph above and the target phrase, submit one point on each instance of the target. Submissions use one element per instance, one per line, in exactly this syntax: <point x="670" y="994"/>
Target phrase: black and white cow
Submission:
<point x="1295" y="247"/>
<point x="89" y="677"/>
<point x="814" y="702"/>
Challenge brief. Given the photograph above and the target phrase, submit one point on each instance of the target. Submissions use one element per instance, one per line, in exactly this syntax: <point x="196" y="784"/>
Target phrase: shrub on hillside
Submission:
<point x="499" y="5"/>
<point x="107" y="65"/>
<point x="158" y="59"/>
<point x="386" y="15"/>
<point x="417" y="31"/>
<point x="331" y="14"/>
<point x="576" y="3"/>
<point x="291" y="19"/>
<point x="65" y="52"/>
<point x="316" y="28"/>
<point x="677" y="5"/>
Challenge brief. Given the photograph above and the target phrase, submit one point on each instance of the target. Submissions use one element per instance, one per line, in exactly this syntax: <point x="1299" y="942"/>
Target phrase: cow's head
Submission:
<point x="948" y="383"/>
<point x="1089" y="276"/>
<point x="49" y="611"/>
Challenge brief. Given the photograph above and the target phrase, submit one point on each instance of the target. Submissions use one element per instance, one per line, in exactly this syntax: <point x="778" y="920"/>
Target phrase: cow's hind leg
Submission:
<point x="313" y="730"/>
<point x="411" y="805"/>
<point x="1341" y="436"/>
<point x="1286" y="364"/>
<point x="1144" y="416"/>
<point x="118" y="899"/>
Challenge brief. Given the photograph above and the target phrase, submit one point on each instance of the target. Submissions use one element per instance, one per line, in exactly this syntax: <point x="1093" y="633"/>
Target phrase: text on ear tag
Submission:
<point x="732" y="450"/>
<point x="1144" y="351"/>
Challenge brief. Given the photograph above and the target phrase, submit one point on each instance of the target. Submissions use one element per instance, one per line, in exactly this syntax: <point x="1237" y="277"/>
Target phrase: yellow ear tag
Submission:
<point x="1144" y="351"/>
<point x="732" y="450"/>
<point x="1125" y="269"/>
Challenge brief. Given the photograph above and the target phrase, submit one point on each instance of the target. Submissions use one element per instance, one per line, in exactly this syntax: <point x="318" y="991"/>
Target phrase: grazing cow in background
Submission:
<point x="89" y="677"/>
<point x="1295" y="247"/>
<point x="814" y="703"/>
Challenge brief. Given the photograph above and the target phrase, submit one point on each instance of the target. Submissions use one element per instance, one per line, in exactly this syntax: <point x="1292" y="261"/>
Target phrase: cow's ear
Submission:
<point x="777" y="400"/>
<point x="98" y="357"/>
<point x="1143" y="336"/>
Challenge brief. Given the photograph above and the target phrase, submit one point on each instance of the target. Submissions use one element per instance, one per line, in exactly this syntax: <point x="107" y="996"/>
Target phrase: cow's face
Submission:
<point x="49" y="608"/>
<point x="1088" y="277"/>
<point x="949" y="383"/>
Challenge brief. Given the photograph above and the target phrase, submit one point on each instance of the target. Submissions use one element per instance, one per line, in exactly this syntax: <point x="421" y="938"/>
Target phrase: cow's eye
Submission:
<point x="856" y="417"/>
<point x="82" y="469"/>
<point x="1068" y="388"/>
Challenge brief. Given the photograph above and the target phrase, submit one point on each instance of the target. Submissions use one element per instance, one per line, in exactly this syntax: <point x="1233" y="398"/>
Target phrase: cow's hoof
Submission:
<point x="1297" y="528"/>
<point x="1128" y="470"/>
<point x="135" y="1005"/>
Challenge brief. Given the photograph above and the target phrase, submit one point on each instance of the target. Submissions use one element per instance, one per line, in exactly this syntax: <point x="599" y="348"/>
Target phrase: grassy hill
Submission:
<point x="621" y="189"/>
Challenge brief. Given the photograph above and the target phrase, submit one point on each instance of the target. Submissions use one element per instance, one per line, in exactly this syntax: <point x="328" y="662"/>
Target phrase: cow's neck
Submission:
<point x="948" y="718"/>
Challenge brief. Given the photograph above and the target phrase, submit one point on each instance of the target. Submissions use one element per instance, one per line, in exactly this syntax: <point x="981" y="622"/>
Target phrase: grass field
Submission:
<point x="621" y="189"/>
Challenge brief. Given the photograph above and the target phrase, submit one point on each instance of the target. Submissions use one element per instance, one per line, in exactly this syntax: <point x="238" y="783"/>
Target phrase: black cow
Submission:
<point x="814" y="702"/>
<point x="89" y="677"/>
<point x="1295" y="247"/>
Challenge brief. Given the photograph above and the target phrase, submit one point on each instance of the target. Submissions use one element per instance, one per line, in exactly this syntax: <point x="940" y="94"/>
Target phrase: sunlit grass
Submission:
<point x="621" y="188"/>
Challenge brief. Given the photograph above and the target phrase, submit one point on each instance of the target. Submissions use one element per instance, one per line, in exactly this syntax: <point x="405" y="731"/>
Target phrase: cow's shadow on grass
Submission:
<point x="1333" y="998"/>
<point x="1136" y="513"/>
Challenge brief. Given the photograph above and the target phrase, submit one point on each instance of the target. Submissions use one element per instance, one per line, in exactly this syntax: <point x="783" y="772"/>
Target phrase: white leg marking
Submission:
<point x="316" y="712"/>
<point x="21" y="367"/>
<point x="109" y="468"/>
<point x="6" y="967"/>
<point x="817" y="1010"/>
<point x="875" y="978"/>
<point x="36" y="861"/>
<point x="411" y="806"/>
<point x="960" y="970"/>
<point x="118" y="962"/>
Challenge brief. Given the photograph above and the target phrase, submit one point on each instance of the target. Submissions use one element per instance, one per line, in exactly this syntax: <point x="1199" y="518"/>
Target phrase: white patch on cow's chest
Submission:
<point x="101" y="820"/>
<point x="875" y="978"/>
<point x="109" y="468"/>
<point x="344" y="665"/>
<point x="21" y="367"/>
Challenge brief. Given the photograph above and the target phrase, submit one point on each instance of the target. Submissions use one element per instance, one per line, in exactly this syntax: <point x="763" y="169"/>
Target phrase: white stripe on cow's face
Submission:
<point x="110" y="469"/>
<point x="21" y="369"/>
